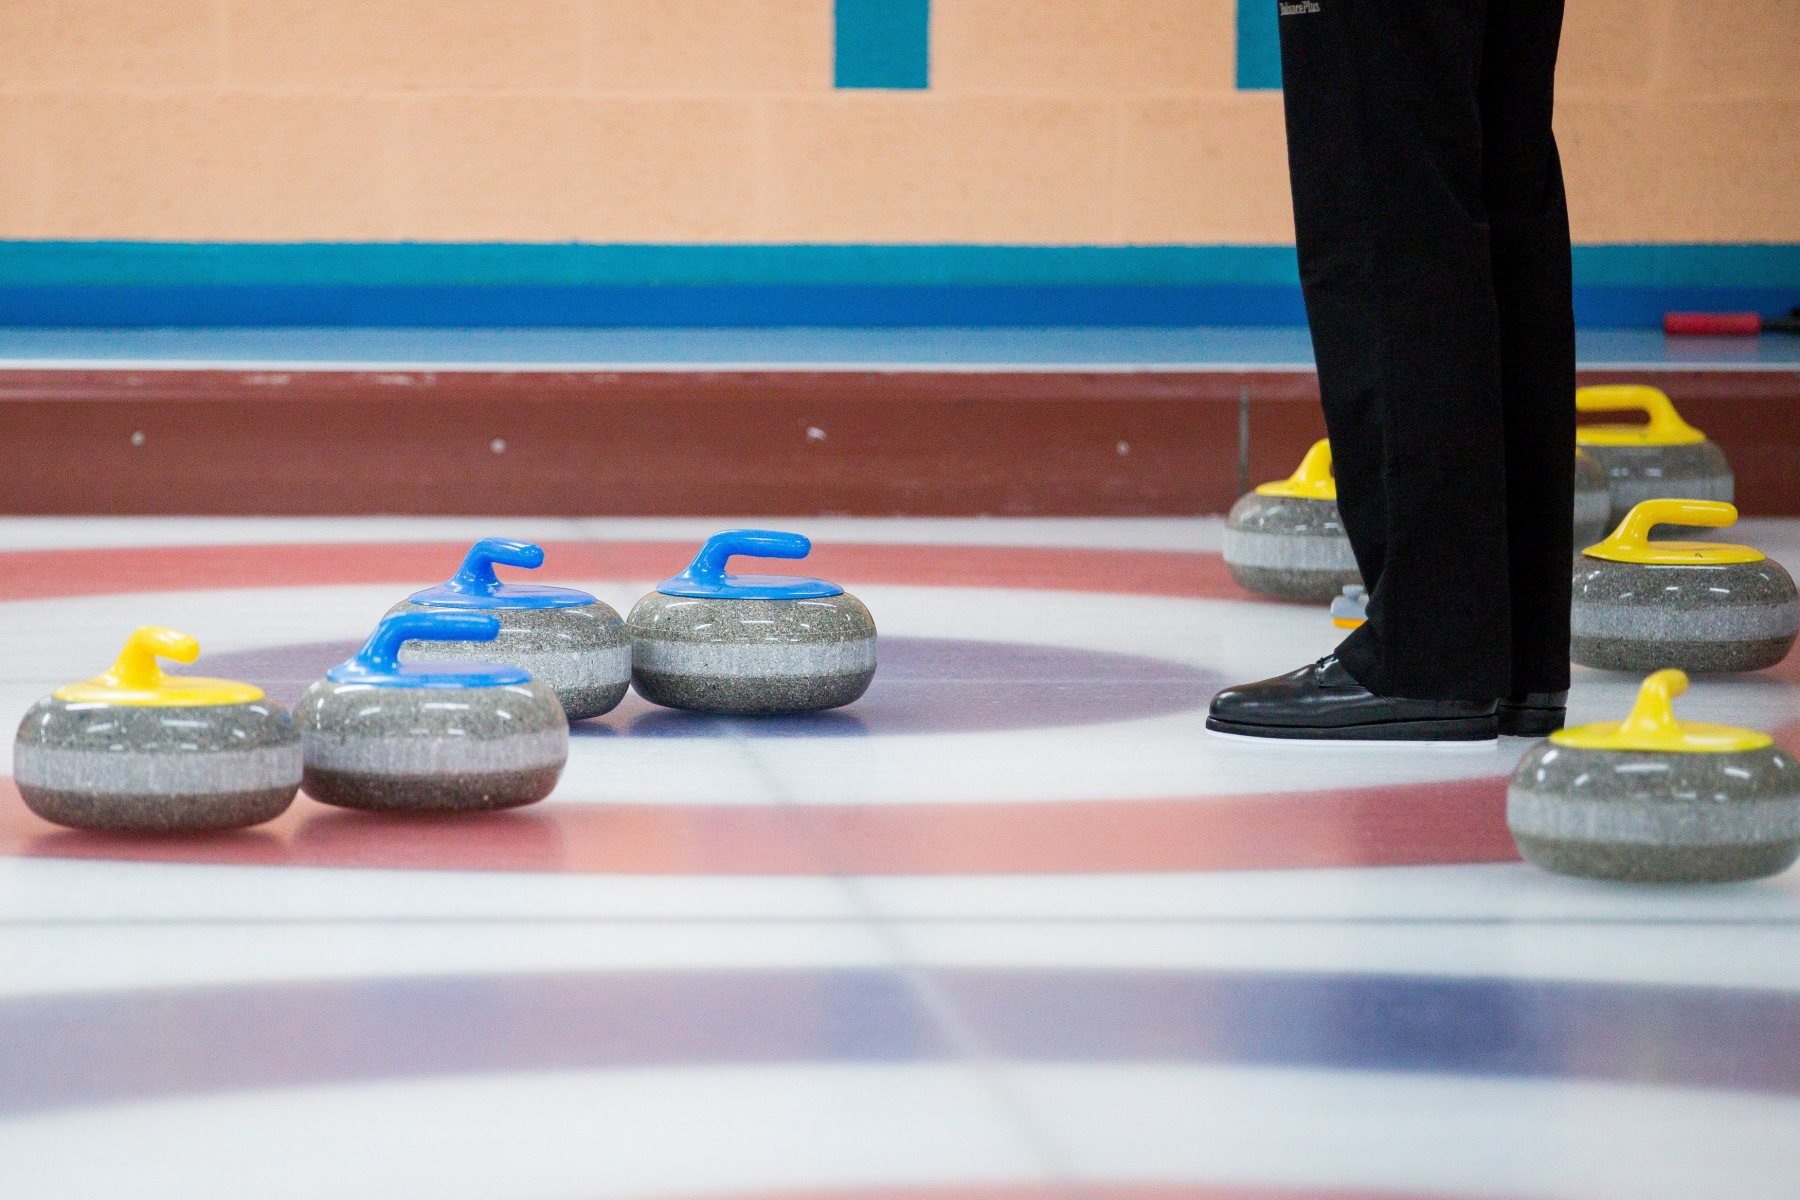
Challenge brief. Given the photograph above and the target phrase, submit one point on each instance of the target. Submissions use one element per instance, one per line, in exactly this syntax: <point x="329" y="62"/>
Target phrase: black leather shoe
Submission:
<point x="1322" y="702"/>
<point x="1532" y="714"/>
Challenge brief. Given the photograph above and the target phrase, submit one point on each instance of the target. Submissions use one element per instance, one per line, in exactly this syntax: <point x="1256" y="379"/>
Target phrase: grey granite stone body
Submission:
<point x="582" y="653"/>
<point x="394" y="749"/>
<point x="751" y="657"/>
<point x="1289" y="547"/>
<point x="1702" y="619"/>
<point x="142" y="769"/>
<point x="1656" y="817"/>
<point x="1634" y="474"/>
<point x="1593" y="502"/>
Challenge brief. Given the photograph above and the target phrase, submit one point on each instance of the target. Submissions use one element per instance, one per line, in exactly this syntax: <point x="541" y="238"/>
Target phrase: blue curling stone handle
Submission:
<point x="475" y="586"/>
<point x="378" y="662"/>
<point x="706" y="579"/>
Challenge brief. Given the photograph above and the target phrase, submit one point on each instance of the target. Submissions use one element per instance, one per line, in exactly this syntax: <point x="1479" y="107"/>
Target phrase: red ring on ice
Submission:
<point x="1455" y="821"/>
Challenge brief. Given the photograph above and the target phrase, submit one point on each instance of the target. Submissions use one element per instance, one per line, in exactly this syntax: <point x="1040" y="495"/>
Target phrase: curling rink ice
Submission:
<point x="1012" y="925"/>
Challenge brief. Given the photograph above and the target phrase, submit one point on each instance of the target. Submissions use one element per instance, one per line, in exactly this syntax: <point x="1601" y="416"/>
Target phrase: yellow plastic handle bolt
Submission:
<point x="1630" y="542"/>
<point x="1312" y="478"/>
<point x="1652" y="720"/>
<point x="1665" y="426"/>
<point x="1634" y="530"/>
<point x="1652" y="726"/>
<point x="135" y="669"/>
<point x="1316" y="466"/>
<point x="136" y="680"/>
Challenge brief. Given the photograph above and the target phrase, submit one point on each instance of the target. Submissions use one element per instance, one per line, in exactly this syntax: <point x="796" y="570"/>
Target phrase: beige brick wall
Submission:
<point x="1679" y="120"/>
<point x="1048" y="121"/>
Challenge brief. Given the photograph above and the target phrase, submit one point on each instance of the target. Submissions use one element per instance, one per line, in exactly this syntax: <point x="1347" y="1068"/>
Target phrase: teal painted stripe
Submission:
<point x="1764" y="265"/>
<point x="436" y="264"/>
<point x="1258" y="45"/>
<point x="463" y="264"/>
<point x="882" y="43"/>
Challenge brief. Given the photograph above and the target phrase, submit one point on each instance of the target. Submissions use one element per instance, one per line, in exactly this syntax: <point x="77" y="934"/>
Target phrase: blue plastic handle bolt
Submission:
<point x="705" y="577"/>
<point x="380" y="655"/>
<point x="476" y="575"/>
<point x="474" y="584"/>
<point x="709" y="565"/>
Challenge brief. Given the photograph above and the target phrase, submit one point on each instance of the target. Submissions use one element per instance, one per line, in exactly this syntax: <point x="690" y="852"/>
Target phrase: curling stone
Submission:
<point x="1665" y="458"/>
<point x="439" y="736"/>
<point x="750" y="644"/>
<point x="1351" y="609"/>
<point x="1641" y="605"/>
<point x="1593" y="501"/>
<point x="565" y="639"/>
<point x="138" y="751"/>
<point x="1285" y="540"/>
<point x="1656" y="800"/>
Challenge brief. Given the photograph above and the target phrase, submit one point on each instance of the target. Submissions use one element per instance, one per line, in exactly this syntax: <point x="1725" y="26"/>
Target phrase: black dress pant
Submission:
<point x="1434" y="254"/>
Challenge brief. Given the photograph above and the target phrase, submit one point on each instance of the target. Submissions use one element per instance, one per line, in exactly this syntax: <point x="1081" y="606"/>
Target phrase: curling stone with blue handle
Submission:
<point x="1593" y="501"/>
<point x="430" y="736"/>
<point x="1665" y="458"/>
<point x="1285" y="538"/>
<point x="750" y="644"/>
<point x="1656" y="800"/>
<point x="137" y="751"/>
<point x="1642" y="605"/>
<point x="566" y="639"/>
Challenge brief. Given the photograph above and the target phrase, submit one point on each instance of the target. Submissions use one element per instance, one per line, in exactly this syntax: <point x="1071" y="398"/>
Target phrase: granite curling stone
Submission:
<point x="565" y="639"/>
<point x="1285" y="539"/>
<point x="1641" y="605"/>
<point x="430" y="737"/>
<point x="1593" y="501"/>
<point x="750" y="644"/>
<point x="1351" y="609"/>
<point x="1655" y="800"/>
<point x="1665" y="458"/>
<point x="137" y="751"/>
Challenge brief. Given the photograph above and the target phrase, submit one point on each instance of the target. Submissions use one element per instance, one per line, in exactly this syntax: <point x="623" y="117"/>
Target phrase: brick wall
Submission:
<point x="1047" y="121"/>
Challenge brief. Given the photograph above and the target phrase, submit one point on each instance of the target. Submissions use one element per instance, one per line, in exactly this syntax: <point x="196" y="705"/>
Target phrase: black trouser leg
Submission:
<point x="1528" y="226"/>
<point x="1443" y="337"/>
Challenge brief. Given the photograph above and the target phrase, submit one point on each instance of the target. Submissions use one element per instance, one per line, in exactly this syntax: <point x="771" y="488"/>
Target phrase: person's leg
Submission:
<point x="1401" y="292"/>
<point x="1333" y="198"/>
<point x="1528" y="222"/>
<point x="1385" y="150"/>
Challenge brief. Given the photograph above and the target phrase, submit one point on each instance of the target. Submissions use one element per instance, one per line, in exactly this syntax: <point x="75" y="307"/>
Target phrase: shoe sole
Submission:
<point x="1531" y="722"/>
<point x="1477" y="733"/>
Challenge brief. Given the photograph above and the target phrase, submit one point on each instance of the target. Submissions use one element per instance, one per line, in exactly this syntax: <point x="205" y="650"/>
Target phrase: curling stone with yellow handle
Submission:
<point x="138" y="751"/>
<point x="1593" y="501"/>
<point x="1285" y="539"/>
<point x="1656" y="800"/>
<point x="1665" y="458"/>
<point x="1351" y="609"/>
<point x="1640" y="605"/>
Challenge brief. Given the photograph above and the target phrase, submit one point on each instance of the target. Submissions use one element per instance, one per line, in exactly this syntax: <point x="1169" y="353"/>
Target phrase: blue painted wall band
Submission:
<point x="566" y="264"/>
<point x="140" y="284"/>
<point x="468" y="264"/>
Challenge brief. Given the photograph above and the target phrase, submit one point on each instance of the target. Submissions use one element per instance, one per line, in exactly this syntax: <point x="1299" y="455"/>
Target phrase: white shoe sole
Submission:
<point x="1473" y="745"/>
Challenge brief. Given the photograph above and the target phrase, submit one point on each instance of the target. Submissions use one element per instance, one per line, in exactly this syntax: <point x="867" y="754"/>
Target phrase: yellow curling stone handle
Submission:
<point x="136" y="680"/>
<point x="1312" y="480"/>
<point x="1652" y="726"/>
<point x="1665" y="428"/>
<point x="1630" y="542"/>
